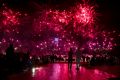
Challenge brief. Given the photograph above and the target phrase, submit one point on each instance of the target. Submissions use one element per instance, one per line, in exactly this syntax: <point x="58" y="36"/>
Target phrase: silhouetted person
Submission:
<point x="78" y="58"/>
<point x="88" y="59"/>
<point x="10" y="57"/>
<point x="83" y="57"/>
<point x="92" y="61"/>
<point x="70" y="54"/>
<point x="52" y="58"/>
<point x="10" y="51"/>
<point x="26" y="59"/>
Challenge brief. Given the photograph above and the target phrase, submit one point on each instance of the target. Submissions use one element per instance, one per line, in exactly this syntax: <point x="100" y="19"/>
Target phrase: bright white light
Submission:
<point x="33" y="71"/>
<point x="56" y="39"/>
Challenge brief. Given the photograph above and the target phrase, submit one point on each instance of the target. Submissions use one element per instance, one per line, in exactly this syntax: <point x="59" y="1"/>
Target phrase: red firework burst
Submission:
<point x="85" y="14"/>
<point x="84" y="19"/>
<point x="10" y="17"/>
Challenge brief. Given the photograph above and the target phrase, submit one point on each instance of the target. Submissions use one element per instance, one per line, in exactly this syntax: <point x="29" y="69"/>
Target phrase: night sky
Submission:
<point x="45" y="26"/>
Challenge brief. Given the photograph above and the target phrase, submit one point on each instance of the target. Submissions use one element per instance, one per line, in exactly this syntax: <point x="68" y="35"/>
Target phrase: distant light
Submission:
<point x="34" y="69"/>
<point x="30" y="57"/>
<point x="37" y="46"/>
<point x="16" y="48"/>
<point x="33" y="72"/>
<point x="3" y="52"/>
<point x="56" y="39"/>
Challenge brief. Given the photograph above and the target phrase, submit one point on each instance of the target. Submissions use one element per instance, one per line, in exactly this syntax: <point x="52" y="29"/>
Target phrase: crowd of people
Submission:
<point x="16" y="62"/>
<point x="94" y="60"/>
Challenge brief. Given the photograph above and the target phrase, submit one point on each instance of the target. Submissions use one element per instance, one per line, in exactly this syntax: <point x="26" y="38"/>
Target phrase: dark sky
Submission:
<point x="109" y="10"/>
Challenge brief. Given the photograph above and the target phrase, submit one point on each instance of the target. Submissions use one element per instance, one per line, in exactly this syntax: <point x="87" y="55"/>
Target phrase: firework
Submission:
<point x="10" y="17"/>
<point x="84" y="14"/>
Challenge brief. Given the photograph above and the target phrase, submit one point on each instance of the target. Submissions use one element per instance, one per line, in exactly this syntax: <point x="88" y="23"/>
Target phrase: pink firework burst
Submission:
<point x="85" y="14"/>
<point x="84" y="20"/>
<point x="81" y="18"/>
<point x="61" y="16"/>
<point x="51" y="19"/>
<point x="10" y="17"/>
